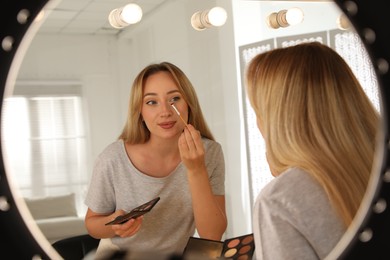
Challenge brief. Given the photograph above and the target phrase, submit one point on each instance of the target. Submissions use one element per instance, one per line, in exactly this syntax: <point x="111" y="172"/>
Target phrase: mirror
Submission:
<point x="198" y="62"/>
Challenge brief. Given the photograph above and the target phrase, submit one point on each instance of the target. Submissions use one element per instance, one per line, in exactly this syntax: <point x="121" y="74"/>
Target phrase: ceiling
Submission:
<point x="91" y="16"/>
<point x="87" y="16"/>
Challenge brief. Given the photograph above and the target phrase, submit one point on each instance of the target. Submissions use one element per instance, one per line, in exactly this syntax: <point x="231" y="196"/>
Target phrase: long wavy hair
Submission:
<point x="135" y="130"/>
<point x="314" y="115"/>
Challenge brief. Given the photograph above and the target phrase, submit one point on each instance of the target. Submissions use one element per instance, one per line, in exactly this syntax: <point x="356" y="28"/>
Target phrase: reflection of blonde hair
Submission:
<point x="135" y="130"/>
<point x="314" y="115"/>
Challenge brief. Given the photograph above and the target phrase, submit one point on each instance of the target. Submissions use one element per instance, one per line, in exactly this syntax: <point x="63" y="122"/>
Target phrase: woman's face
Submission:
<point x="160" y="91"/>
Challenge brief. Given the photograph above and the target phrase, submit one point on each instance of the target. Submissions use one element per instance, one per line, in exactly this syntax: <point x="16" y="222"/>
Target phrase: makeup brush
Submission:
<point x="178" y="113"/>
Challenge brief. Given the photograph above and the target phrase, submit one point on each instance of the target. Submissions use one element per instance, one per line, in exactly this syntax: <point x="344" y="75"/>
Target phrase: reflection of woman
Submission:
<point x="319" y="128"/>
<point x="158" y="155"/>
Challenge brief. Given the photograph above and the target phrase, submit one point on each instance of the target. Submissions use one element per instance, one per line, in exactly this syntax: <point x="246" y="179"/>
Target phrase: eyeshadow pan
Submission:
<point x="247" y="240"/>
<point x="243" y="257"/>
<point x="233" y="243"/>
<point x="244" y="249"/>
<point x="231" y="252"/>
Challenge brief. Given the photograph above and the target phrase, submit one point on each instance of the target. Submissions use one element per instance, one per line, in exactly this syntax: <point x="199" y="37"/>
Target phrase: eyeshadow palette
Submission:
<point x="136" y="212"/>
<point x="238" y="248"/>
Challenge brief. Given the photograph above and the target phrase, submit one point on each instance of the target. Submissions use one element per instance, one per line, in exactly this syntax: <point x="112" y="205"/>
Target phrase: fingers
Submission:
<point x="191" y="139"/>
<point x="128" y="228"/>
<point x="191" y="149"/>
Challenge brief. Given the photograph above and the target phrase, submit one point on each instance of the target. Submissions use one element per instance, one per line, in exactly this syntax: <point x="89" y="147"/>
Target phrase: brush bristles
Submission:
<point x="177" y="111"/>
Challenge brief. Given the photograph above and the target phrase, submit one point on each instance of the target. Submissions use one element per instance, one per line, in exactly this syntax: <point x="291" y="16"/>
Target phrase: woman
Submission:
<point x="319" y="129"/>
<point x="157" y="155"/>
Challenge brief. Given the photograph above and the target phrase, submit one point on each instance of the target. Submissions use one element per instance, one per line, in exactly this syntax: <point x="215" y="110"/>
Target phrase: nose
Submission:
<point x="166" y="109"/>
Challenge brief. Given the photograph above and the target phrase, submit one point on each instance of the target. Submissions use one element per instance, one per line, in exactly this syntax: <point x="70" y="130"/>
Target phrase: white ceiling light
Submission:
<point x="125" y="15"/>
<point x="285" y="18"/>
<point x="343" y="22"/>
<point x="205" y="19"/>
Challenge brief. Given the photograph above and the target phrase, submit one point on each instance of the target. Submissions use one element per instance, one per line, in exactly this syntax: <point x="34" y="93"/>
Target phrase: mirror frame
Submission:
<point x="371" y="233"/>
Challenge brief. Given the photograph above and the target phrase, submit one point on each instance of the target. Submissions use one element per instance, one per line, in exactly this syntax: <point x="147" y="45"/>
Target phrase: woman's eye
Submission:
<point x="151" y="102"/>
<point x="174" y="99"/>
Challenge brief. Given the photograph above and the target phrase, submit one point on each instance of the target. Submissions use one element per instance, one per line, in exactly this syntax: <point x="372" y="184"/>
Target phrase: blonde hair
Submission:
<point x="135" y="130"/>
<point x="314" y="115"/>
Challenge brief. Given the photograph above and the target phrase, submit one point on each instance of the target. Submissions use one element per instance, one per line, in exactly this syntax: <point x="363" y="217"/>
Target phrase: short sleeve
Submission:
<point x="100" y="197"/>
<point x="215" y="164"/>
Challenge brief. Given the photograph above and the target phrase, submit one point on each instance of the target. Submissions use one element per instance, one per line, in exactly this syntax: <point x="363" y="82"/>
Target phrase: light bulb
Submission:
<point x="202" y="20"/>
<point x="294" y="16"/>
<point x="131" y="13"/>
<point x="285" y="18"/>
<point x="343" y="22"/>
<point x="217" y="16"/>
<point x="124" y="16"/>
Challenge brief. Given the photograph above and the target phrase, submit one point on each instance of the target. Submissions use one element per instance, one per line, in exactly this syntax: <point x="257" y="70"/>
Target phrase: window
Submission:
<point x="45" y="142"/>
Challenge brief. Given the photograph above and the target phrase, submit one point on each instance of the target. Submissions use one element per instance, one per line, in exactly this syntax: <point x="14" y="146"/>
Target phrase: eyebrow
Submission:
<point x="155" y="94"/>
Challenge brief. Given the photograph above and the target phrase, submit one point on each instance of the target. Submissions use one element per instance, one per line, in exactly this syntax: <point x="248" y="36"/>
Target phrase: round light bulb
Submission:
<point x="217" y="16"/>
<point x="343" y="22"/>
<point x="294" y="16"/>
<point x="131" y="13"/>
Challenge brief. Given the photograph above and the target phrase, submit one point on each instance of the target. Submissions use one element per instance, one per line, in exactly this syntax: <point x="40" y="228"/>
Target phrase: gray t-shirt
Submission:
<point x="293" y="219"/>
<point x="117" y="184"/>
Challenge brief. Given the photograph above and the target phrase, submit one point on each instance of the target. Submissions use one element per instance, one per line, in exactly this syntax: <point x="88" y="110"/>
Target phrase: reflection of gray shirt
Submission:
<point x="293" y="219"/>
<point x="117" y="184"/>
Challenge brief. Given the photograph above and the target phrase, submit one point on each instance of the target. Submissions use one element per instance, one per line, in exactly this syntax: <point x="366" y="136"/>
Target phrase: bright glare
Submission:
<point x="294" y="16"/>
<point x="40" y="16"/>
<point x="131" y="13"/>
<point x="217" y="16"/>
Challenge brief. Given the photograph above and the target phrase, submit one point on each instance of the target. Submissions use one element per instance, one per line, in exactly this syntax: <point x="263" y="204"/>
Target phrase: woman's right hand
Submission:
<point x="191" y="149"/>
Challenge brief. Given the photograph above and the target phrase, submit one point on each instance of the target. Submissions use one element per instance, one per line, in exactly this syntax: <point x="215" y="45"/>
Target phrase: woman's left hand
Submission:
<point x="129" y="228"/>
<point x="191" y="149"/>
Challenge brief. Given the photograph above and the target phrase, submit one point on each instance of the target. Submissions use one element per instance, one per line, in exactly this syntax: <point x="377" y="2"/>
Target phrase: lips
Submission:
<point x="167" y="125"/>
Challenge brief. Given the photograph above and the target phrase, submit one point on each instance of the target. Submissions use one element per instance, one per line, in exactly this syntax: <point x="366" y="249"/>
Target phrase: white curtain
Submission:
<point x="45" y="144"/>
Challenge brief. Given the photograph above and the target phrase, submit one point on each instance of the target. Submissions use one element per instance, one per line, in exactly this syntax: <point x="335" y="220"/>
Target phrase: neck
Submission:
<point x="163" y="146"/>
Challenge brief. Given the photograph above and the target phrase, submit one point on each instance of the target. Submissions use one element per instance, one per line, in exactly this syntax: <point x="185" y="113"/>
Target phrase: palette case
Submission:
<point x="237" y="248"/>
<point x="136" y="212"/>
